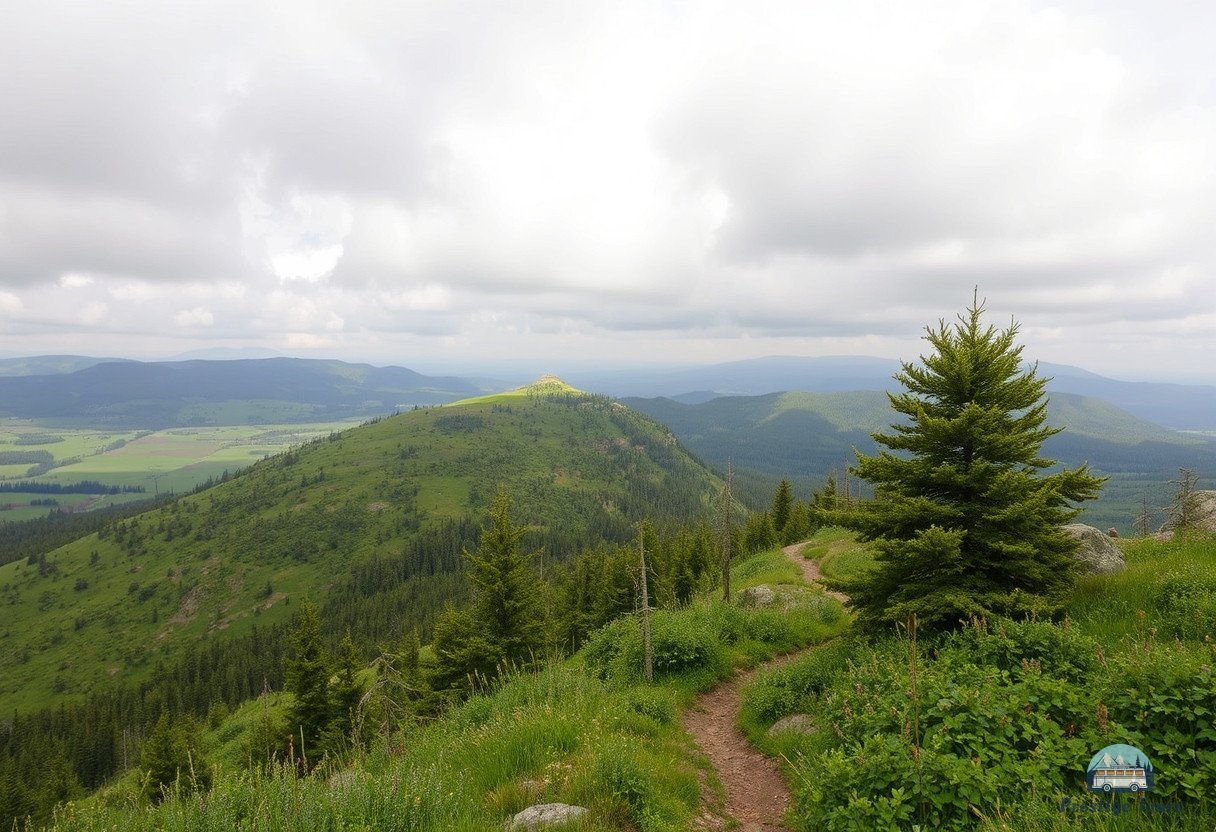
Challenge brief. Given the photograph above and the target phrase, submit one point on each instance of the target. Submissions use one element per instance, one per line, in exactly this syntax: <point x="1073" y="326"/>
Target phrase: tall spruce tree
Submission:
<point x="308" y="674"/>
<point x="506" y="589"/>
<point x="966" y="521"/>
<point x="783" y="503"/>
<point x="505" y="624"/>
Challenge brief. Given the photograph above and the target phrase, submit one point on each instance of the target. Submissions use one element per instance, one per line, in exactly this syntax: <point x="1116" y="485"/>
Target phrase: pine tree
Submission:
<point x="346" y="691"/>
<point x="506" y="598"/>
<point x="308" y="681"/>
<point x="799" y="527"/>
<point x="965" y="521"/>
<point x="760" y="534"/>
<point x="171" y="759"/>
<point x="505" y="624"/>
<point x="783" y="502"/>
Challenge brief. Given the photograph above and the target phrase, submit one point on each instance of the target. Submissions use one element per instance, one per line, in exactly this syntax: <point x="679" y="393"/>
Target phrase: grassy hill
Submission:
<point x="373" y="518"/>
<point x="804" y="436"/>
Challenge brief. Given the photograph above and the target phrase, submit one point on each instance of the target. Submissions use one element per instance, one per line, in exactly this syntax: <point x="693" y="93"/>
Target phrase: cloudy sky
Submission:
<point x="445" y="184"/>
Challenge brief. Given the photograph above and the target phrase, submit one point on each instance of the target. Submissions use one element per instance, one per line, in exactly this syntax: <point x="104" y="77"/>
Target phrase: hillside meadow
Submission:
<point x="587" y="731"/>
<point x="986" y="729"/>
<point x="991" y="727"/>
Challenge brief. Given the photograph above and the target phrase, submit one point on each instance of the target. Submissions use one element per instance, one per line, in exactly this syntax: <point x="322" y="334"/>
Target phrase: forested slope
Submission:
<point x="370" y="523"/>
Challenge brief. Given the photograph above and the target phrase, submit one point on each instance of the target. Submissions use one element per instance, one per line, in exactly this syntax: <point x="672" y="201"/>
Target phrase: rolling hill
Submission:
<point x="804" y="436"/>
<point x="369" y="522"/>
<point x="1178" y="406"/>
<point x="248" y="391"/>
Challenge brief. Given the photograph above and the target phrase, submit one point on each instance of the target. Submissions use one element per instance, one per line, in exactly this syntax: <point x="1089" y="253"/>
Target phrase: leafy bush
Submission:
<point x="681" y="641"/>
<point x="996" y="716"/>
<point x="1013" y="645"/>
<point x="696" y="638"/>
<point x="785" y="689"/>
<point x="1166" y="695"/>
<point x="1186" y="603"/>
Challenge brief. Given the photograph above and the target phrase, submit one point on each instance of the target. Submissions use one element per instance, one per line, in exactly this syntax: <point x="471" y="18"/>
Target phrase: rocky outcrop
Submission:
<point x="544" y="816"/>
<point x="757" y="596"/>
<point x="1097" y="552"/>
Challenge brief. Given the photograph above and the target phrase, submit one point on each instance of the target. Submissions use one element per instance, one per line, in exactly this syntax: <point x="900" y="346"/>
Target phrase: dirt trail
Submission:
<point x="756" y="794"/>
<point x="810" y="570"/>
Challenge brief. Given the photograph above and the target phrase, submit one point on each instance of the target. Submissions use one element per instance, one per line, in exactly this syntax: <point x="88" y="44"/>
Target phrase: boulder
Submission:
<point x="757" y="596"/>
<point x="545" y="816"/>
<point x="1097" y="552"/>
<point x="793" y="724"/>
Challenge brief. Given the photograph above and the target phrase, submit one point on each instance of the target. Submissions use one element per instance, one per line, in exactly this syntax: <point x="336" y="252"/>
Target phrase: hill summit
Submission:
<point x="549" y="384"/>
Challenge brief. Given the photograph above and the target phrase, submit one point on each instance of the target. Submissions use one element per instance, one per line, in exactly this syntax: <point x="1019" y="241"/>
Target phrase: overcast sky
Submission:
<point x="442" y="184"/>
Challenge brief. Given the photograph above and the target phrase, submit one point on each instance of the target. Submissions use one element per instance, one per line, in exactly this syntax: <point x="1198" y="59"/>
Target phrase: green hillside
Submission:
<point x="372" y="519"/>
<point x="804" y="436"/>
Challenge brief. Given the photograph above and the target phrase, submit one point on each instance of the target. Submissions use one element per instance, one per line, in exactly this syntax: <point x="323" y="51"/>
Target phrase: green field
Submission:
<point x="175" y="460"/>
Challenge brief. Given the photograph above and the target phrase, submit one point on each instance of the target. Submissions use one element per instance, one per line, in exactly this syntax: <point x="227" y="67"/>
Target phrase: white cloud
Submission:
<point x="678" y="181"/>
<point x="199" y="316"/>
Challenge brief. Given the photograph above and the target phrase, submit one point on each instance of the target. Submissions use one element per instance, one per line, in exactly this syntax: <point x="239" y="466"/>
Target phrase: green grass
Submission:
<point x="1130" y="603"/>
<point x="1132" y="663"/>
<point x="603" y="740"/>
<point x="838" y="552"/>
<point x="771" y="567"/>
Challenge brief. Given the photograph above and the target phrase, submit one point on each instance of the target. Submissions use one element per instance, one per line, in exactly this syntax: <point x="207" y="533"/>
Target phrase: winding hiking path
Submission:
<point x="756" y="794"/>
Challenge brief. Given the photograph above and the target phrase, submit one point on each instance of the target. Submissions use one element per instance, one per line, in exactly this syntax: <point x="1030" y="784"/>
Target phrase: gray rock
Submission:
<point x="757" y="596"/>
<point x="1097" y="553"/>
<point x="545" y="816"/>
<point x="793" y="724"/>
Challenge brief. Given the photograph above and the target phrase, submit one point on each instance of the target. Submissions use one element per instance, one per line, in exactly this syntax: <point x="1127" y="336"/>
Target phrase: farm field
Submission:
<point x="173" y="460"/>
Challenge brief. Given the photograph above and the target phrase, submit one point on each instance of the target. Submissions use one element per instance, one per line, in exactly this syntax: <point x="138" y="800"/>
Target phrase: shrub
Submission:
<point x="784" y="690"/>
<point x="1013" y="645"/>
<point x="1186" y="603"/>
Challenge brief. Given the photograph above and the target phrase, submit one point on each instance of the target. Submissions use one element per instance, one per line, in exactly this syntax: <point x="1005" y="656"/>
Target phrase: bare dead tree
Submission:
<point x="1184" y="504"/>
<point x="1144" y="520"/>
<point x="724" y="532"/>
<point x="647" y="650"/>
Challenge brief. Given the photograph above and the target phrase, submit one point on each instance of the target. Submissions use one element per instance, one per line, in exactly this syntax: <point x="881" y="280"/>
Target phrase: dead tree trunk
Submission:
<point x="647" y="650"/>
<point x="724" y="532"/>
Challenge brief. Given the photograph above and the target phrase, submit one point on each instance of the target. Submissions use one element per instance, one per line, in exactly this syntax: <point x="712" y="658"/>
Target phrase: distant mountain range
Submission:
<point x="159" y="394"/>
<point x="1178" y="406"/>
<point x="248" y="391"/>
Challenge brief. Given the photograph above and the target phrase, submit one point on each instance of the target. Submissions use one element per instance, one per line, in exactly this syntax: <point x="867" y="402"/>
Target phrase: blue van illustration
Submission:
<point x="1120" y="768"/>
